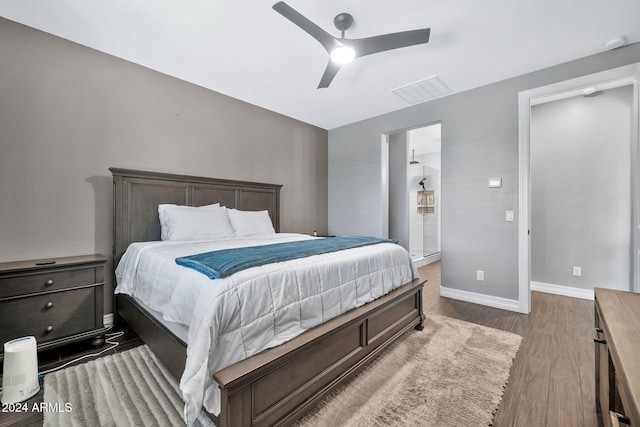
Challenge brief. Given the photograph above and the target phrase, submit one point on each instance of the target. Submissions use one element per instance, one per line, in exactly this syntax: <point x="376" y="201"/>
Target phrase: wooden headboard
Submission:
<point x="137" y="194"/>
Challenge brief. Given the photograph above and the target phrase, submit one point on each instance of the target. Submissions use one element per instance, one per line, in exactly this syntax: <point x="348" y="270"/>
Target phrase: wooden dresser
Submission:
<point x="617" y="338"/>
<point x="57" y="300"/>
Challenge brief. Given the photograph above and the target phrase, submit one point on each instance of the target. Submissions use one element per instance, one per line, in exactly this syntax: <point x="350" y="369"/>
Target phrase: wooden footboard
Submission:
<point x="279" y="385"/>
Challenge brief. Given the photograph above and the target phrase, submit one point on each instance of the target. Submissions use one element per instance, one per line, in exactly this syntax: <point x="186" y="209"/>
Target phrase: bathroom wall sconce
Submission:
<point x="426" y="202"/>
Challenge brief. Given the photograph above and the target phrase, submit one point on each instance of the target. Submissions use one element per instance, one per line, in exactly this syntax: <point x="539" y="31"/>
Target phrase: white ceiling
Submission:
<point x="244" y="49"/>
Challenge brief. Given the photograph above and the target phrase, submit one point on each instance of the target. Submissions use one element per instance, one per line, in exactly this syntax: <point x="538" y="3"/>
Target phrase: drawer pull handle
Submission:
<point x="618" y="419"/>
<point x="48" y="305"/>
<point x="49" y="282"/>
<point x="596" y="337"/>
<point x="49" y="329"/>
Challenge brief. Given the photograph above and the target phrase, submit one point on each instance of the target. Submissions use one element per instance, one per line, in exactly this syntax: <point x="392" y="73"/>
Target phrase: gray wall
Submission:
<point x="68" y="113"/>
<point x="398" y="192"/>
<point x="580" y="190"/>
<point x="479" y="140"/>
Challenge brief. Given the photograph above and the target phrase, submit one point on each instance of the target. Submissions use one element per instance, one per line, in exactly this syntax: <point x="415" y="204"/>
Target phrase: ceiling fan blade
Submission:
<point x="329" y="73"/>
<point x="326" y="40"/>
<point x="376" y="44"/>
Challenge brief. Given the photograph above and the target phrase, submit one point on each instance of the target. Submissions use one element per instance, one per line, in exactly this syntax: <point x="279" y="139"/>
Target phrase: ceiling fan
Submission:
<point x="343" y="50"/>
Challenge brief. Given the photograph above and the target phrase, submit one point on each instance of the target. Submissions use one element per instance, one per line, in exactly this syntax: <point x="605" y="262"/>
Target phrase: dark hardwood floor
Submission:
<point x="552" y="379"/>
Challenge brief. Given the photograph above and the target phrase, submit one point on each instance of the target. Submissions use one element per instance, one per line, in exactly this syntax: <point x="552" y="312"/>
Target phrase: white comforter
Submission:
<point x="236" y="317"/>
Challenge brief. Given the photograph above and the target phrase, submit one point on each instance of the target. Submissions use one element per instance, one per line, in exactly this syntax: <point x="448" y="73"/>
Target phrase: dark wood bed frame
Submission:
<point x="278" y="385"/>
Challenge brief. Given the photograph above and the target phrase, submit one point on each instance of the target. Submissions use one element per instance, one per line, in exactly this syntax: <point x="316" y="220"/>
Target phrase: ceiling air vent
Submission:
<point x="422" y="90"/>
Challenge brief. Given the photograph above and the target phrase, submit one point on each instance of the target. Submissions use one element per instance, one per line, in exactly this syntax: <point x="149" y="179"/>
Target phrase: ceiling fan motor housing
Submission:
<point x="343" y="21"/>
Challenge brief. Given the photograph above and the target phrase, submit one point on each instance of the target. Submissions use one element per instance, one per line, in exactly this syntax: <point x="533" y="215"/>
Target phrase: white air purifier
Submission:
<point x="20" y="373"/>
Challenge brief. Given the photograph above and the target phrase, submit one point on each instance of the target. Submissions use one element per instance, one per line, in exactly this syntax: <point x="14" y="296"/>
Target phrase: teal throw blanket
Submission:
<point x="223" y="263"/>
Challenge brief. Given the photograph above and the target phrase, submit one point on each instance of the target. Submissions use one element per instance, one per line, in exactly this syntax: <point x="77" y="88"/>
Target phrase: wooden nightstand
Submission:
<point x="57" y="300"/>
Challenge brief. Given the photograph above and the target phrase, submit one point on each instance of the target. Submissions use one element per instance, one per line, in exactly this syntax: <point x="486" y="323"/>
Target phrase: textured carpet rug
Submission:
<point x="131" y="388"/>
<point x="451" y="374"/>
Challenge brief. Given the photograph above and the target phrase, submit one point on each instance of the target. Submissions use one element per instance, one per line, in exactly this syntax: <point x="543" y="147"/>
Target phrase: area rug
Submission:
<point x="452" y="373"/>
<point x="131" y="388"/>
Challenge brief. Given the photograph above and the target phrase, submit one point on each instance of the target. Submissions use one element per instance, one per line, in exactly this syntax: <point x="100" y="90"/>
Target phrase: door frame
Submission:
<point x="621" y="76"/>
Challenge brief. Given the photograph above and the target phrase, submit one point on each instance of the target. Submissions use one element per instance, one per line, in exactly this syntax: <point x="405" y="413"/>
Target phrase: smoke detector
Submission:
<point x="615" y="43"/>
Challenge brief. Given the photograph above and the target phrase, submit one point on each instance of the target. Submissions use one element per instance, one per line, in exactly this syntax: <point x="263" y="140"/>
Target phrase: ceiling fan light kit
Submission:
<point x="343" y="54"/>
<point x="342" y="50"/>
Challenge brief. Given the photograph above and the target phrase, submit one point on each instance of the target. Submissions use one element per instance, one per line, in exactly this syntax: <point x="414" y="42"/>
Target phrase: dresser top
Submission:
<point x="620" y="313"/>
<point x="41" y="264"/>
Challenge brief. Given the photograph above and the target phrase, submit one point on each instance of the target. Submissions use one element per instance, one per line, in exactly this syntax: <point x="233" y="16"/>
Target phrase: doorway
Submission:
<point x="424" y="194"/>
<point x="529" y="101"/>
<point x="580" y="193"/>
<point x="412" y="191"/>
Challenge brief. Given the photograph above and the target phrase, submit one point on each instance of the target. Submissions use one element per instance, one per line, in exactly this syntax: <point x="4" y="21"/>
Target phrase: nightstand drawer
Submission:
<point x="46" y="281"/>
<point x="49" y="316"/>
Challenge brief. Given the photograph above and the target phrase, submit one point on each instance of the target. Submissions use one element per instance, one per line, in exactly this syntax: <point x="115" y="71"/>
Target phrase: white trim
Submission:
<point x="433" y="258"/>
<point x="421" y="262"/>
<point x="610" y="82"/>
<point x="384" y="186"/>
<point x="567" y="291"/>
<point x="524" y="243"/>
<point x="429" y="259"/>
<point x="610" y="78"/>
<point x="635" y="178"/>
<point x="629" y="74"/>
<point x="107" y="319"/>
<point x="482" y="299"/>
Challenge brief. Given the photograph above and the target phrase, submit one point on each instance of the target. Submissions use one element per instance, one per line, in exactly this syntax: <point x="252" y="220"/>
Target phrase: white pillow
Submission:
<point x="250" y="223"/>
<point x="168" y="206"/>
<point x="196" y="224"/>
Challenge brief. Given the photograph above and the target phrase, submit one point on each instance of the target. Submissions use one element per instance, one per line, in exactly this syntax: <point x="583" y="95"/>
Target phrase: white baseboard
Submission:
<point x="430" y="259"/>
<point x="420" y="262"/>
<point x="488" y="300"/>
<point x="567" y="291"/>
<point x="107" y="319"/>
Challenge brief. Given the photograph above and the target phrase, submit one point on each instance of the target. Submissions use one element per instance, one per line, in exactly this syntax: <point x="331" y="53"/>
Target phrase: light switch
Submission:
<point x="509" y="215"/>
<point x="495" y="182"/>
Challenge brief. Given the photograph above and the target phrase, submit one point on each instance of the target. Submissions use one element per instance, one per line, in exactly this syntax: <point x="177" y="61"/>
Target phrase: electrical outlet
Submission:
<point x="577" y="271"/>
<point x="479" y="275"/>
